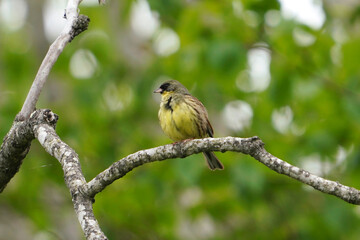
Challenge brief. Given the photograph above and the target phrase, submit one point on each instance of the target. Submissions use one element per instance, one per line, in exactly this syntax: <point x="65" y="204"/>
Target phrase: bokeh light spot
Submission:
<point x="13" y="13"/>
<point x="257" y="77"/>
<point x="237" y="115"/>
<point x="308" y="12"/>
<point x="303" y="38"/>
<point x="144" y="22"/>
<point x="54" y="22"/>
<point x="83" y="64"/>
<point x="281" y="119"/>
<point x="166" y="42"/>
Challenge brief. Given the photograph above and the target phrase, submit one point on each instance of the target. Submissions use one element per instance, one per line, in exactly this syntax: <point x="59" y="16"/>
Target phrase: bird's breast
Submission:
<point x="179" y="120"/>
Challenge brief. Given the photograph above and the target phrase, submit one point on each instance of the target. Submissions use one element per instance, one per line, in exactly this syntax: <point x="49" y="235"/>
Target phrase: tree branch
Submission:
<point x="44" y="131"/>
<point x="251" y="146"/>
<point x="42" y="123"/>
<point x="74" y="26"/>
<point x="16" y="143"/>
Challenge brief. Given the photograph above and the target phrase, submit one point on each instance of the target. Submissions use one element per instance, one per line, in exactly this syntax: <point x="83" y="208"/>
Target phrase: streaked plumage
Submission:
<point x="183" y="116"/>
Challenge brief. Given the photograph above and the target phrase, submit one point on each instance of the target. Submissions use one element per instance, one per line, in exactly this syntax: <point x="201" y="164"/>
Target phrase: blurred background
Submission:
<point x="286" y="71"/>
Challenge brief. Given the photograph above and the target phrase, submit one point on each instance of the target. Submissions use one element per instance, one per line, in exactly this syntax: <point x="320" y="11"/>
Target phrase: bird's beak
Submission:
<point x="159" y="90"/>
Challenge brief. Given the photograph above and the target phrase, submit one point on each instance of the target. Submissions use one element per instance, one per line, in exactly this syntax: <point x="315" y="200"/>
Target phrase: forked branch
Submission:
<point x="41" y="125"/>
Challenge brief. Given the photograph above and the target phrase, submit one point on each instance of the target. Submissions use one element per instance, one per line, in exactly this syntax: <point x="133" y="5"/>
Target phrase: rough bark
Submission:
<point x="74" y="178"/>
<point x="252" y="146"/>
<point x="16" y="145"/>
<point x="41" y="125"/>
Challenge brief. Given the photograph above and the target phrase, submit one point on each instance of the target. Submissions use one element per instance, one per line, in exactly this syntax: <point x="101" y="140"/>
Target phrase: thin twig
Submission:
<point x="68" y="33"/>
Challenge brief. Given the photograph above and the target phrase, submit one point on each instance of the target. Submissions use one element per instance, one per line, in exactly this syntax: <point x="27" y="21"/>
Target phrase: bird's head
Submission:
<point x="172" y="86"/>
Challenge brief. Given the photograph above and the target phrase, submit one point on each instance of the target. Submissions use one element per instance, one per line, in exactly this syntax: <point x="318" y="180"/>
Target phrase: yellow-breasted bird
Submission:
<point x="183" y="116"/>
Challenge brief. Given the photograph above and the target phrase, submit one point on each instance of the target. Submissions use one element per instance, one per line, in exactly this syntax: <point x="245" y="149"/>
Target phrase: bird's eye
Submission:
<point x="165" y="86"/>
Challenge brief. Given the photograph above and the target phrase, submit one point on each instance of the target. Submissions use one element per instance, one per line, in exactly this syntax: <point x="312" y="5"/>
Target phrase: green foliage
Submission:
<point x="113" y="113"/>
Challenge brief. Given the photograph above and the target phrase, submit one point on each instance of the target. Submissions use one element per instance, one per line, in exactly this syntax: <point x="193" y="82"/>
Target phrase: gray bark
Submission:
<point x="74" y="178"/>
<point x="16" y="145"/>
<point x="251" y="146"/>
<point x="41" y="124"/>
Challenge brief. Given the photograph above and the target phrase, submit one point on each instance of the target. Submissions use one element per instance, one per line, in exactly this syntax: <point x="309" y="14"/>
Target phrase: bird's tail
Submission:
<point x="212" y="161"/>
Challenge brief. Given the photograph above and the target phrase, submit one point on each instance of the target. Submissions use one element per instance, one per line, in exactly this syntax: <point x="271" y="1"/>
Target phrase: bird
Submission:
<point x="182" y="116"/>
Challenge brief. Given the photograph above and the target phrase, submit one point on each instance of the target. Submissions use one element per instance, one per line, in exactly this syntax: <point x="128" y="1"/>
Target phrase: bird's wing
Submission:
<point x="207" y="130"/>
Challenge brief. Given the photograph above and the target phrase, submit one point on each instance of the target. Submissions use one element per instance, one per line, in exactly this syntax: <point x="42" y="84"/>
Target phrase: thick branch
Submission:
<point x="42" y="123"/>
<point x="73" y="175"/>
<point x="16" y="145"/>
<point x="74" y="26"/>
<point x="252" y="146"/>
